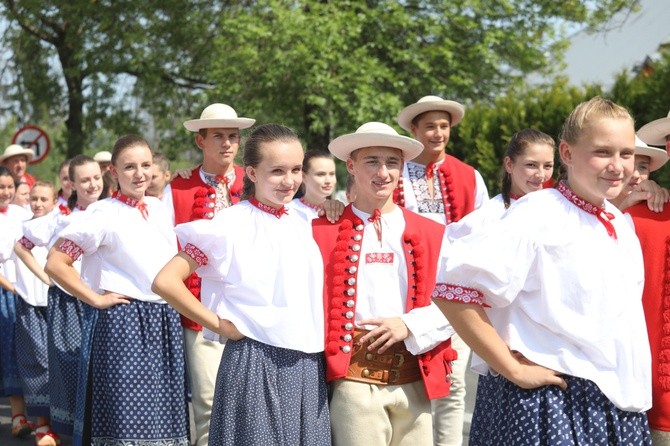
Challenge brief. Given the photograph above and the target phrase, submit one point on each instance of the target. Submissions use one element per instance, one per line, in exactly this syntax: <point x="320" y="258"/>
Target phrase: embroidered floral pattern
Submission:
<point x="316" y="207"/>
<point x="132" y="202"/>
<point x="379" y="257"/>
<point x="193" y="252"/>
<point x="26" y="243"/>
<point x="458" y="293"/>
<point x="269" y="209"/>
<point x="600" y="213"/>
<point x="71" y="248"/>
<point x="444" y="199"/>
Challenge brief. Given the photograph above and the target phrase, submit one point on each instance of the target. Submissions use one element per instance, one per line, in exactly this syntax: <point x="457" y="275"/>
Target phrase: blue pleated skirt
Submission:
<point x="269" y="396"/>
<point x="10" y="381"/>
<point x="65" y="318"/>
<point x="30" y="336"/>
<point x="506" y="414"/>
<point x="136" y="391"/>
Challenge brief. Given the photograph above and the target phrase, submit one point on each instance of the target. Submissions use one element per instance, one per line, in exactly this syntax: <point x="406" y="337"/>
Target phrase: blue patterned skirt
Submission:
<point x="10" y="382"/>
<point x="506" y="414"/>
<point x="136" y="379"/>
<point x="271" y="396"/>
<point x="30" y="336"/>
<point x="65" y="317"/>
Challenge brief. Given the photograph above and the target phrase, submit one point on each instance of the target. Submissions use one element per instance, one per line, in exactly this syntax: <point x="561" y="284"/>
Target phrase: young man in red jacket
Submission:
<point x="387" y="345"/>
<point x="445" y="189"/>
<point x="212" y="186"/>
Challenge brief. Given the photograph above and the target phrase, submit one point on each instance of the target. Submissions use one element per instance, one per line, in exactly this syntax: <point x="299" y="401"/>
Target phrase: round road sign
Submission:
<point x="33" y="137"/>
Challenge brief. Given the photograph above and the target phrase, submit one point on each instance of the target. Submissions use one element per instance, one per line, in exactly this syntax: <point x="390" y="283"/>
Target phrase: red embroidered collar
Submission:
<point x="269" y="209"/>
<point x="515" y="196"/>
<point x="316" y="207"/>
<point x="132" y="202"/>
<point x="603" y="216"/>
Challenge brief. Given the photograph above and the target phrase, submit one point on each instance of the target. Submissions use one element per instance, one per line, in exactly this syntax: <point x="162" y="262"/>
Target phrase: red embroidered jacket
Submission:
<point x="422" y="240"/>
<point x="184" y="193"/>
<point x="653" y="230"/>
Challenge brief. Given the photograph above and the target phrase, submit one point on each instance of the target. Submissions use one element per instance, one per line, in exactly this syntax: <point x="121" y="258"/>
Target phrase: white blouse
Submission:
<point x="130" y="248"/>
<point x="10" y="225"/>
<point x="305" y="211"/>
<point x="263" y="273"/>
<point x="491" y="211"/>
<point x="382" y="285"/>
<point x="562" y="292"/>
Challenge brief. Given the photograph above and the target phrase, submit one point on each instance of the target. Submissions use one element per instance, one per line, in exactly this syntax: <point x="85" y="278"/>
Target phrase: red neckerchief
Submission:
<point x="430" y="170"/>
<point x="514" y="196"/>
<point x="316" y="207"/>
<point x="269" y="209"/>
<point x="603" y="216"/>
<point x="132" y="202"/>
<point x="64" y="209"/>
<point x="375" y="219"/>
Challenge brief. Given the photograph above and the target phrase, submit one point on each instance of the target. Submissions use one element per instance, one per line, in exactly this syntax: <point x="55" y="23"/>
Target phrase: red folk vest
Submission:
<point x="653" y="230"/>
<point x="184" y="201"/>
<point x="458" y="185"/>
<point x="422" y="240"/>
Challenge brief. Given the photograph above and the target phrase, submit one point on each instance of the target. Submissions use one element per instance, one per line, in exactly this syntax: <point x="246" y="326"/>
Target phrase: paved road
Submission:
<point x="6" y="438"/>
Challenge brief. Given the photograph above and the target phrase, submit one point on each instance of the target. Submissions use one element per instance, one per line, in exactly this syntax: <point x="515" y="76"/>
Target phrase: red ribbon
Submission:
<point x="64" y="209"/>
<point x="430" y="171"/>
<point x="375" y="219"/>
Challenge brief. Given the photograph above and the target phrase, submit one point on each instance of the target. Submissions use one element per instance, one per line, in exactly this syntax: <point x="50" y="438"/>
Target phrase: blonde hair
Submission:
<point x="588" y="112"/>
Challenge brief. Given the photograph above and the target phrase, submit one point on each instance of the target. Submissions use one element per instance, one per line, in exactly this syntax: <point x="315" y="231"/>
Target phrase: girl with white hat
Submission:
<point x="561" y="327"/>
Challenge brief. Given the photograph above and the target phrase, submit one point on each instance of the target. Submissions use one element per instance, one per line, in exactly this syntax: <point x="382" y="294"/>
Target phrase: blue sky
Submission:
<point x="597" y="58"/>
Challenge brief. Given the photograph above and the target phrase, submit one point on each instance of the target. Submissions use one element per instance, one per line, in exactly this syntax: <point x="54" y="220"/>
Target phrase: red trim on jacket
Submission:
<point x="186" y="209"/>
<point x="422" y="241"/>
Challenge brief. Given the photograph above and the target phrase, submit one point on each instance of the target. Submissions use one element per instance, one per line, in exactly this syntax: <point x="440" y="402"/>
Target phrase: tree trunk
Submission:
<point x="74" y="81"/>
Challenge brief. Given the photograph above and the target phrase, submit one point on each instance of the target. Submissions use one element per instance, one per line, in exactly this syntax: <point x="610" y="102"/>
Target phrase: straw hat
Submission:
<point x="218" y="116"/>
<point x="103" y="156"/>
<point x="655" y="132"/>
<point x="658" y="156"/>
<point x="14" y="150"/>
<point x="374" y="134"/>
<point x="430" y="103"/>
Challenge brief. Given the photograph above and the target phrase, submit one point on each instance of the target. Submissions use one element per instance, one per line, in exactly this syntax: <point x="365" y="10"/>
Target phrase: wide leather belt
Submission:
<point x="395" y="367"/>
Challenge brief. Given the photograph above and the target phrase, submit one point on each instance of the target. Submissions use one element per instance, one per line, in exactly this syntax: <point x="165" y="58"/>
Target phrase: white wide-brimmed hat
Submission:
<point x="103" y="156"/>
<point x="430" y="103"/>
<point x="658" y="156"/>
<point x="14" y="150"/>
<point x="374" y="134"/>
<point x="655" y="132"/>
<point x="218" y="116"/>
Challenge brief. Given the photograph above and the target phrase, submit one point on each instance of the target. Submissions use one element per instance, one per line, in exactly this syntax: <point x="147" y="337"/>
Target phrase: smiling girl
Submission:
<point x="136" y="387"/>
<point x="262" y="278"/>
<point x="65" y="313"/>
<point x="318" y="181"/>
<point x="561" y="327"/>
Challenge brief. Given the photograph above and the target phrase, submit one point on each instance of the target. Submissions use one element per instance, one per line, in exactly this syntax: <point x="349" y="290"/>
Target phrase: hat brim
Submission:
<point x="27" y="152"/>
<point x="658" y="156"/>
<point x="455" y="110"/>
<point x="344" y="145"/>
<point x="654" y="133"/>
<point x="239" y="123"/>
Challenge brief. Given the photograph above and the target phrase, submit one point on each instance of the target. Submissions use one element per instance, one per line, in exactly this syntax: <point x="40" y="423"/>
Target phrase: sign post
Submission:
<point x="33" y="137"/>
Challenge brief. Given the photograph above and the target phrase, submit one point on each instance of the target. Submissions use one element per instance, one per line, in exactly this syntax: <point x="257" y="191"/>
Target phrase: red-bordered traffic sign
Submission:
<point x="33" y="137"/>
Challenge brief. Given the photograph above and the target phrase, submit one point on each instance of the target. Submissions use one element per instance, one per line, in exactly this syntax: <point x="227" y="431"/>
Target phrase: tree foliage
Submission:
<point x="106" y="67"/>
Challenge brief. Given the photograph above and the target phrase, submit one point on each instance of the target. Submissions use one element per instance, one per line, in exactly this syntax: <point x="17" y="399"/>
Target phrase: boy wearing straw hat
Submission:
<point x="653" y="230"/>
<point x="16" y="159"/>
<point x="445" y="189"/>
<point x="387" y="347"/>
<point x="212" y="186"/>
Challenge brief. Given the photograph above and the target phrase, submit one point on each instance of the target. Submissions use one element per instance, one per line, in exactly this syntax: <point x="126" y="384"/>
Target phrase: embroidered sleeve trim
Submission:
<point x="26" y="243"/>
<point x="71" y="248"/>
<point x="197" y="255"/>
<point x="458" y="293"/>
